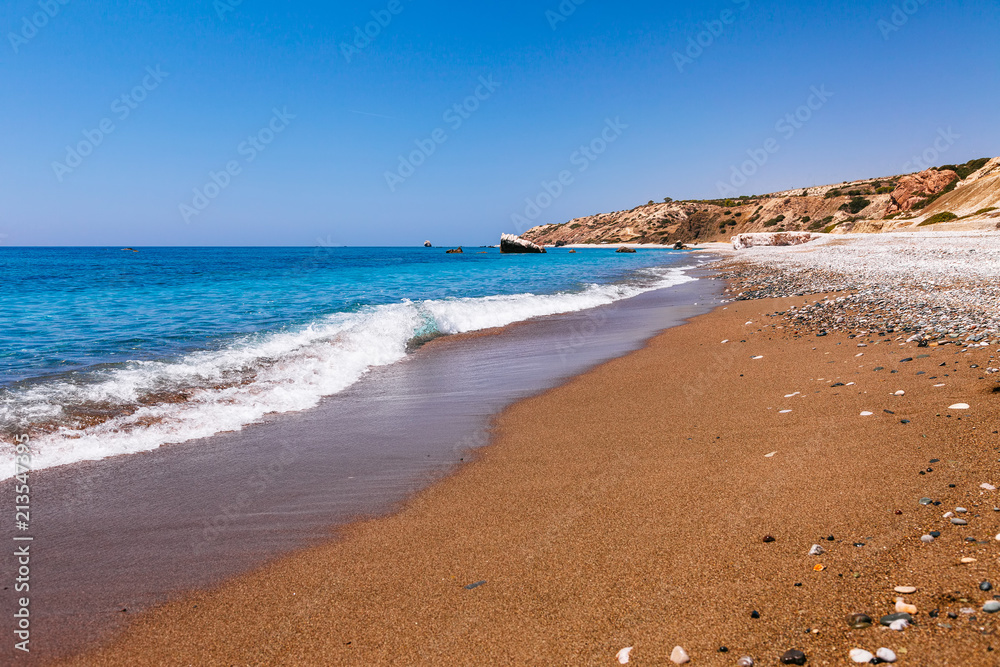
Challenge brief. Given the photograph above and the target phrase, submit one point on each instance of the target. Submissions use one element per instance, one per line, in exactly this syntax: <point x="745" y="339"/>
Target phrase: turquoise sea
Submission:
<point x="106" y="351"/>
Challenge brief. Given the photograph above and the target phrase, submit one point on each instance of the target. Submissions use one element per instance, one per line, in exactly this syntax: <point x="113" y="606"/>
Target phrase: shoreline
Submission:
<point x="655" y="540"/>
<point x="133" y="532"/>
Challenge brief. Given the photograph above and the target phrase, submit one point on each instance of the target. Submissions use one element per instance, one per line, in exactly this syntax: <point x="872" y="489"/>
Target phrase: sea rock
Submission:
<point x="623" y="655"/>
<point x="744" y="241"/>
<point x="925" y="501"/>
<point x="885" y="655"/>
<point x="623" y="249"/>
<point x="911" y="189"/>
<point x="513" y="244"/>
<point x="816" y="550"/>
<point x="454" y="251"/>
<point x="900" y="393"/>
<point x="793" y="657"/>
<point x="428" y="244"/>
<point x="860" y="655"/>
<point x="679" y="656"/>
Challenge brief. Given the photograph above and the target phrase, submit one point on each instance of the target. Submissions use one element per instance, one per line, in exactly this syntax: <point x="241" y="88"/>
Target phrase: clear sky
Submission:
<point x="142" y="122"/>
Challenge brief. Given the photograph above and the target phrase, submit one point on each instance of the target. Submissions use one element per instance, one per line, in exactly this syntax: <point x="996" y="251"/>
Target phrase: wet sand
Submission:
<point x="629" y="507"/>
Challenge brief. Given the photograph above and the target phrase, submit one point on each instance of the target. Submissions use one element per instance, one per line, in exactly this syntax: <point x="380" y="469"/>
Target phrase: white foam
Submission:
<point x="259" y="375"/>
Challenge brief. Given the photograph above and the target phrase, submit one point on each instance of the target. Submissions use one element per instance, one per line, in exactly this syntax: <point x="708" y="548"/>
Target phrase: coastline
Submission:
<point x="627" y="507"/>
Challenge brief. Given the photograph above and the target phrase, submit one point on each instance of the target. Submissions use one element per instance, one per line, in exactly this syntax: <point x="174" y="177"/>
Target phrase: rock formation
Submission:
<point x="626" y="250"/>
<point x="914" y="188"/>
<point x="428" y="244"/>
<point x="744" y="241"/>
<point x="509" y="243"/>
<point x="454" y="251"/>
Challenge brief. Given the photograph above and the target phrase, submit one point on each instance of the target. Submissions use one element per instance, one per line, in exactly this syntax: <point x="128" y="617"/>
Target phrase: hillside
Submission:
<point x="965" y="196"/>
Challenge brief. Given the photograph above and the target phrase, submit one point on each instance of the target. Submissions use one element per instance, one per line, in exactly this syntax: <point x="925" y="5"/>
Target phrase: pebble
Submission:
<point x="816" y="550"/>
<point x="791" y="395"/>
<point x="961" y="510"/>
<point x="745" y="661"/>
<point x="904" y="608"/>
<point x="679" y="656"/>
<point x="793" y="657"/>
<point x="900" y="393"/>
<point x="985" y="586"/>
<point x="861" y="656"/>
<point x="925" y="501"/>
<point x="935" y="533"/>
<point x="905" y="590"/>
<point x="959" y="406"/>
<point x="991" y="607"/>
<point x="867" y="414"/>
<point x="756" y="358"/>
<point x="768" y="539"/>
<point x="755" y="614"/>
<point x="770" y="456"/>
<point x="959" y="522"/>
<point x="927" y="538"/>
<point x="623" y="655"/>
<point x="859" y="621"/>
<point x="885" y="655"/>
<point x="988" y="487"/>
<point x="892" y="618"/>
<point x="967" y="560"/>
<point x="899" y="625"/>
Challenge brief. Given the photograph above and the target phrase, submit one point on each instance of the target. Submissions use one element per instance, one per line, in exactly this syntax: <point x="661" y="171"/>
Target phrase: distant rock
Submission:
<point x="454" y="251"/>
<point x="626" y="250"/>
<point x="916" y="187"/>
<point x="744" y="241"/>
<point x="428" y="244"/>
<point x="510" y="243"/>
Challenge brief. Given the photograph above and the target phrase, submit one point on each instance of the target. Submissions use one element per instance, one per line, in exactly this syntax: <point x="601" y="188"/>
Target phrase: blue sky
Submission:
<point x="209" y="85"/>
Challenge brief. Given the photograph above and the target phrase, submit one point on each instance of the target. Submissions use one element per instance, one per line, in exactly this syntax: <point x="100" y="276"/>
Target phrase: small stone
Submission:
<point x="723" y="649"/>
<point x="768" y="539"/>
<point x="745" y="661"/>
<point x="967" y="560"/>
<point x="793" y="657"/>
<point x="988" y="487"/>
<point x="947" y="515"/>
<point x="892" y="618"/>
<point x="905" y="608"/>
<point x="861" y="656"/>
<point x="816" y="550"/>
<point x="885" y="655"/>
<point x="961" y="510"/>
<point x="926" y="538"/>
<point x="991" y="607"/>
<point x="900" y="393"/>
<point x="623" y="655"/>
<point x="952" y="615"/>
<point x="935" y="533"/>
<point x="899" y="625"/>
<point x="959" y="522"/>
<point x="925" y="501"/>
<point x="985" y="586"/>
<point x="959" y="406"/>
<point x="867" y="414"/>
<point x="905" y="590"/>
<point x="859" y="621"/>
<point x="679" y="656"/>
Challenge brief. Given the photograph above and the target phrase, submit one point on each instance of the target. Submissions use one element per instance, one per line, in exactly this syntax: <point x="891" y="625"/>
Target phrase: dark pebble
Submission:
<point x="889" y="412"/>
<point x="723" y="649"/>
<point x="879" y="368"/>
<point x="935" y="533"/>
<point x="798" y="585"/>
<point x="793" y="657"/>
<point x="935" y="461"/>
<point x="887" y="620"/>
<point x="755" y="614"/>
<point x="829" y="538"/>
<point x="952" y="615"/>
<point x="899" y="511"/>
<point x="475" y="585"/>
<point x="839" y="384"/>
<point x="905" y="421"/>
<point x="768" y="539"/>
<point x="903" y="361"/>
<point x="859" y="621"/>
<point x="934" y="613"/>
<point x="951" y="486"/>
<point x="930" y="470"/>
<point x="986" y="586"/>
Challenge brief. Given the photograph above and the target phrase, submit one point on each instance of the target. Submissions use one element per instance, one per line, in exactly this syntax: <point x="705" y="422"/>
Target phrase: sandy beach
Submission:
<point x="635" y="506"/>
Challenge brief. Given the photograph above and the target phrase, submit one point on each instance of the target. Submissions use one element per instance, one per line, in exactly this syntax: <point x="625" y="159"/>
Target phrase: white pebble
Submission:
<point x="791" y="395"/>
<point x="947" y="515"/>
<point x="860" y="354"/>
<point x="961" y="510"/>
<point x="899" y="625"/>
<point x="816" y="550"/>
<point x="758" y="357"/>
<point x="725" y="341"/>
<point x="860" y="655"/>
<point x="939" y="385"/>
<point x="745" y="661"/>
<point x="905" y="590"/>
<point x="770" y="456"/>
<point x="927" y="538"/>
<point x="679" y="656"/>
<point x="784" y="412"/>
<point x="850" y="384"/>
<point x="867" y="414"/>
<point x="959" y="406"/>
<point x="885" y="655"/>
<point x="998" y="537"/>
<point x="988" y="487"/>
<point x="900" y="393"/>
<point x="623" y="655"/>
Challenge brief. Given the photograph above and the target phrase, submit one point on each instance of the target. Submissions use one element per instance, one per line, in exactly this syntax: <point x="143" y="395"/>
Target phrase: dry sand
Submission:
<point x="628" y="508"/>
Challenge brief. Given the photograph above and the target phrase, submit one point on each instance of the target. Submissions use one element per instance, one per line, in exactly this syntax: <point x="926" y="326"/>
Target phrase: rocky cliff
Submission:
<point x="963" y="196"/>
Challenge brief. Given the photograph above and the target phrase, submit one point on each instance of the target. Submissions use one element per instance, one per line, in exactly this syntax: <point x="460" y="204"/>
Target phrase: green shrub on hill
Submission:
<point x="939" y="217"/>
<point x="773" y="221"/>
<point x="967" y="169"/>
<point x="856" y="205"/>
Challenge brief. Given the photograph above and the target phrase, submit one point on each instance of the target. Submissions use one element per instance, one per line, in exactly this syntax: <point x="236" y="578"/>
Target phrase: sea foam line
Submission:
<point x="228" y="389"/>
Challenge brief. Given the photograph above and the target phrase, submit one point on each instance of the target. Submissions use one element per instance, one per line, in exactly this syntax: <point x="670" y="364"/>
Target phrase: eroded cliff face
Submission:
<point x="871" y="205"/>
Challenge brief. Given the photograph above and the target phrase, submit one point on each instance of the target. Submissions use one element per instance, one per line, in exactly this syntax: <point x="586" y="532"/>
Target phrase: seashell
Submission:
<point x="623" y="655"/>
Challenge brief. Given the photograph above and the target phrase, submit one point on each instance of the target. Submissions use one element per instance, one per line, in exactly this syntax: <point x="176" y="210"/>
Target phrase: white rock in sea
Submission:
<point x="959" y="406"/>
<point x="679" y="656"/>
<point x="988" y="487"/>
<point x="899" y="625"/>
<point x="905" y="590"/>
<point x="816" y="550"/>
<point x="867" y="414"/>
<point x="885" y="655"/>
<point x="904" y="608"/>
<point x="861" y="656"/>
<point x="623" y="655"/>
<point x="900" y="393"/>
